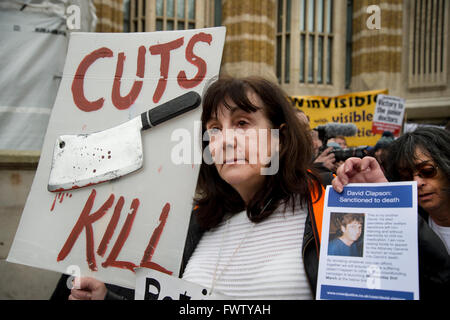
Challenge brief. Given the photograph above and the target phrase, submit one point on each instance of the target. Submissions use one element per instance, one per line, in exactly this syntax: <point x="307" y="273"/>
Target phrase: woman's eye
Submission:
<point x="242" y="123"/>
<point x="214" y="130"/>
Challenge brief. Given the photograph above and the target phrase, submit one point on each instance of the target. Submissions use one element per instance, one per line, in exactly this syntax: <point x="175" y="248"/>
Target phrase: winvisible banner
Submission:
<point x="106" y="230"/>
<point x="357" y="108"/>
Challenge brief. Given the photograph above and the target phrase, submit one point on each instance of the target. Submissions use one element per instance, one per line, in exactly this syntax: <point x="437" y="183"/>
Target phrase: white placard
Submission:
<point x="140" y="220"/>
<point x="389" y="113"/>
<point x="369" y="244"/>
<point x="154" y="285"/>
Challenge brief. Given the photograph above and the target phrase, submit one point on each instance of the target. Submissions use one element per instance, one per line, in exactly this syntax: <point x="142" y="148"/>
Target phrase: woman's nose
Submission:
<point x="420" y="181"/>
<point x="229" y="138"/>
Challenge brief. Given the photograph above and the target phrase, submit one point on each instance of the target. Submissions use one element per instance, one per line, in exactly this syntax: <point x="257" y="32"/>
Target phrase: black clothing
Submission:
<point x="434" y="262"/>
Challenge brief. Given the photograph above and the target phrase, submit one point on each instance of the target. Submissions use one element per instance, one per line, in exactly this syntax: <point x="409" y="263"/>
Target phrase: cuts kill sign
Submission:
<point x="139" y="220"/>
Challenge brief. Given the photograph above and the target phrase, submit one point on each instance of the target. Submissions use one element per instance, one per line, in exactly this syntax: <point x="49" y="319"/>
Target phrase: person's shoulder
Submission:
<point x="335" y="247"/>
<point x="334" y="240"/>
<point x="335" y="243"/>
<point x="326" y="177"/>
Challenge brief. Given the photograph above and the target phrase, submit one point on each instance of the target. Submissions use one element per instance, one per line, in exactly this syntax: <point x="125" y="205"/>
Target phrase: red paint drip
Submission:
<point x="78" y="187"/>
<point x="60" y="196"/>
<point x="54" y="201"/>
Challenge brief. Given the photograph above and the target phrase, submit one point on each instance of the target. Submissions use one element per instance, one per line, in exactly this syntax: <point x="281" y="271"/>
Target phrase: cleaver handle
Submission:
<point x="170" y="109"/>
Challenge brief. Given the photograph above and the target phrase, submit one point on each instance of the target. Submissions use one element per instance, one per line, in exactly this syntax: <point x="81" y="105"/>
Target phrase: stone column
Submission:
<point x="110" y="15"/>
<point x="250" y="40"/>
<point x="377" y="52"/>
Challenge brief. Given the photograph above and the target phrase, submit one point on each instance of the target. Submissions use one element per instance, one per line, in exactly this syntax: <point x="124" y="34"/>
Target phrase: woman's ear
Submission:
<point x="281" y="129"/>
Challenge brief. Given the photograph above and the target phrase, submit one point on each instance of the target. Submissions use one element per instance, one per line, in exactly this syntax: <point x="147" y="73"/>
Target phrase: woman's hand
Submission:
<point x="87" y="288"/>
<point x="356" y="170"/>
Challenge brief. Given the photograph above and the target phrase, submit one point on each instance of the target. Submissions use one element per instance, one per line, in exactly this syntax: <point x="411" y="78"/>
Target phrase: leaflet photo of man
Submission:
<point x="345" y="237"/>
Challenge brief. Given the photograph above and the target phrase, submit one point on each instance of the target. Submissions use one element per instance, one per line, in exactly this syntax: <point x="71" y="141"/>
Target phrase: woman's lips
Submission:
<point x="234" y="161"/>
<point x="425" y="196"/>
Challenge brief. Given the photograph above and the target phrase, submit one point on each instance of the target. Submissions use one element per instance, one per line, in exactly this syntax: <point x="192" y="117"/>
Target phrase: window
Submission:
<point x="307" y="27"/>
<point x="126" y="16"/>
<point x="283" y="40"/>
<point x="175" y="14"/>
<point x="137" y="15"/>
<point x="428" y="43"/>
<point x="157" y="15"/>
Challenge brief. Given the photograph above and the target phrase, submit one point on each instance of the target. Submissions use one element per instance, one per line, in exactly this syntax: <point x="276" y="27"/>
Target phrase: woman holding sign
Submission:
<point x="254" y="233"/>
<point x="422" y="156"/>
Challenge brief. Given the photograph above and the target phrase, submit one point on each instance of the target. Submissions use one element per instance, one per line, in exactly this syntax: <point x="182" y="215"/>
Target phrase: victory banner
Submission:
<point x="106" y="229"/>
<point x="357" y="108"/>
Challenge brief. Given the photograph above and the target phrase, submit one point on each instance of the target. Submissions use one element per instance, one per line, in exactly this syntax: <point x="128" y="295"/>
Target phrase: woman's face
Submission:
<point x="241" y="146"/>
<point x="431" y="183"/>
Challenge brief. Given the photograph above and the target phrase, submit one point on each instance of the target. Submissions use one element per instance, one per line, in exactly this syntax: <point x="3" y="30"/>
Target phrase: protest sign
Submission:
<point x="155" y="285"/>
<point x="108" y="229"/>
<point x="389" y="113"/>
<point x="357" y="108"/>
<point x="369" y="247"/>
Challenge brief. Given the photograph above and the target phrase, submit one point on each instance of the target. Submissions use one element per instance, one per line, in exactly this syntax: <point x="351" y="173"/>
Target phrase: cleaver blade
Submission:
<point x="87" y="159"/>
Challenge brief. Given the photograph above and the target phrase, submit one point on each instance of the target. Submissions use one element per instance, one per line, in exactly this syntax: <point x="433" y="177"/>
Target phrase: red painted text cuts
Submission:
<point x="161" y="52"/>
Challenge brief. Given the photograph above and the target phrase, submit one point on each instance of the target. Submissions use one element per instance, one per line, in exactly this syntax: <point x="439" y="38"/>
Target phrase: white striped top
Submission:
<point x="253" y="261"/>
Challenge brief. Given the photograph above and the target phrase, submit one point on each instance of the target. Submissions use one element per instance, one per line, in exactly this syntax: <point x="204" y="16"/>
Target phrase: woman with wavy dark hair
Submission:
<point x="254" y="226"/>
<point x="255" y="229"/>
<point x="293" y="178"/>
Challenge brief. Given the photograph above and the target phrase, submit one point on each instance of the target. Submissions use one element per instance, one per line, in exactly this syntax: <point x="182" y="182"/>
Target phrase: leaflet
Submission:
<point x="369" y="243"/>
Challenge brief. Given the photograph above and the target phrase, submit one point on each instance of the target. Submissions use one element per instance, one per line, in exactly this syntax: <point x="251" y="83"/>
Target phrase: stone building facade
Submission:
<point x="329" y="47"/>
<point x="310" y="47"/>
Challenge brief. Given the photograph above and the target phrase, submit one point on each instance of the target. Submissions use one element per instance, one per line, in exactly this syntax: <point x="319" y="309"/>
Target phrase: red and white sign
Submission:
<point x="140" y="220"/>
<point x="388" y="116"/>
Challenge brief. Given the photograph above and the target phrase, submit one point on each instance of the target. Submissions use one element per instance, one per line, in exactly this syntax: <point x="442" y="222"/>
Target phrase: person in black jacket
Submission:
<point x="422" y="156"/>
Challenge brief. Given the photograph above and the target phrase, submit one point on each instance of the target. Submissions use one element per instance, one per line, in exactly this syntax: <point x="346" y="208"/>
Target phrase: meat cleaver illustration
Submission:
<point x="86" y="159"/>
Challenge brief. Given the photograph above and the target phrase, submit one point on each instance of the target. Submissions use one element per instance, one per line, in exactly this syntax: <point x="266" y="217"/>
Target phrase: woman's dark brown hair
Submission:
<point x="294" y="177"/>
